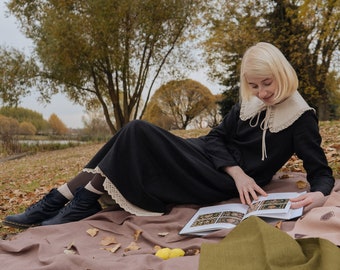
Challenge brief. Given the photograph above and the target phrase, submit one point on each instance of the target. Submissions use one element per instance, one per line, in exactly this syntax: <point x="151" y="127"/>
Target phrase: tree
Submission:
<point x="8" y="130"/>
<point x="95" y="125"/>
<point x="306" y="31"/>
<point x="57" y="126"/>
<point x="17" y="76"/>
<point x="155" y="115"/>
<point x="110" y="51"/>
<point x="26" y="115"/>
<point x="308" y="34"/>
<point x="27" y="128"/>
<point x="180" y="101"/>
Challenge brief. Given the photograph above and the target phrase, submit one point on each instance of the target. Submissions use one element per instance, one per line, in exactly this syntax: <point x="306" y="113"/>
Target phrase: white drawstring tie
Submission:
<point x="264" y="125"/>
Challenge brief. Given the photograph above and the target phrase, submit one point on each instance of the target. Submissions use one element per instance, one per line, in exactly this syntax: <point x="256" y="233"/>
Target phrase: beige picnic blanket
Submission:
<point x="69" y="246"/>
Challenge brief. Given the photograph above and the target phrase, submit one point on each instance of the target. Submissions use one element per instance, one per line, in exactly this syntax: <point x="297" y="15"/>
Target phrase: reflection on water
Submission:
<point x="30" y="142"/>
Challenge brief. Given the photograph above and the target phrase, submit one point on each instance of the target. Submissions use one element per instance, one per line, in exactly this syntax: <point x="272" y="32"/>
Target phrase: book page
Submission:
<point x="276" y="205"/>
<point x="211" y="218"/>
<point x="227" y="216"/>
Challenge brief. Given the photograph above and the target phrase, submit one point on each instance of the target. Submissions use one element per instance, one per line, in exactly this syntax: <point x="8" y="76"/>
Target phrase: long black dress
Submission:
<point x="152" y="168"/>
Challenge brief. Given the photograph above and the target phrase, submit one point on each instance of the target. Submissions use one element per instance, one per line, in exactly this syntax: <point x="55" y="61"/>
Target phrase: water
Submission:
<point x="32" y="142"/>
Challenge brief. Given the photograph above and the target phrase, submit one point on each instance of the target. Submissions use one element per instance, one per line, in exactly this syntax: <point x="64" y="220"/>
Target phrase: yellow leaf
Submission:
<point x="92" y="232"/>
<point x="70" y="249"/>
<point x="132" y="246"/>
<point x="108" y="240"/>
<point x="137" y="234"/>
<point x="163" y="234"/>
<point x="278" y="225"/>
<point x="301" y="184"/>
<point x="113" y="249"/>
<point x="284" y="176"/>
<point x="156" y="248"/>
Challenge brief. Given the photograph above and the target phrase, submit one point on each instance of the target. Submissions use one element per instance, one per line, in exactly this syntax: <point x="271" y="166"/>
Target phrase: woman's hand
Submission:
<point x="306" y="199"/>
<point x="246" y="186"/>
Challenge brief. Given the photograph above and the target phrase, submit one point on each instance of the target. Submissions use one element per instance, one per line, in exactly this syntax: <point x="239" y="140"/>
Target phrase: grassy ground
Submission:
<point x="25" y="180"/>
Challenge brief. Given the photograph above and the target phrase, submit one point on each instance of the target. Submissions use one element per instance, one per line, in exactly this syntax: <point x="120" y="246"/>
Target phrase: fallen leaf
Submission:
<point x="92" y="232"/>
<point x="301" y="184"/>
<point x="278" y="225"/>
<point x="163" y="234"/>
<point x="156" y="248"/>
<point x="284" y="176"/>
<point x="113" y="249"/>
<point x="108" y="240"/>
<point x="137" y="234"/>
<point x="70" y="252"/>
<point x="70" y="249"/>
<point x="192" y="252"/>
<point x="132" y="246"/>
<point x="70" y="245"/>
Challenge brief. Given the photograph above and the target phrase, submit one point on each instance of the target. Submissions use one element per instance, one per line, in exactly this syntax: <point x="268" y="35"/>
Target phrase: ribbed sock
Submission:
<point x="89" y="187"/>
<point x="97" y="182"/>
<point x="80" y="180"/>
<point x="66" y="192"/>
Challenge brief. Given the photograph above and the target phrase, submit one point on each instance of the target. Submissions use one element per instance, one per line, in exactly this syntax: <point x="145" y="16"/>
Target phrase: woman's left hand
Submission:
<point x="306" y="199"/>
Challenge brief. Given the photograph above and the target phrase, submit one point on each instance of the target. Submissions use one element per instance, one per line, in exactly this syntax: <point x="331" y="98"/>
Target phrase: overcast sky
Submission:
<point x="10" y="36"/>
<point x="69" y="113"/>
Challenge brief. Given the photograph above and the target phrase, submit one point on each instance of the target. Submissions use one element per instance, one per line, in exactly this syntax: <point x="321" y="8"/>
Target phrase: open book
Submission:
<point x="225" y="216"/>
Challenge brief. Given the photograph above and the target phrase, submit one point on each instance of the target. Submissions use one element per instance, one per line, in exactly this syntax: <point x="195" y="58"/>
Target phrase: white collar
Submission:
<point x="278" y="116"/>
<point x="281" y="115"/>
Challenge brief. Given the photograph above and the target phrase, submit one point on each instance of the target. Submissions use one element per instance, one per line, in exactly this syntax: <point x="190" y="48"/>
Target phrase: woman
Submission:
<point x="145" y="168"/>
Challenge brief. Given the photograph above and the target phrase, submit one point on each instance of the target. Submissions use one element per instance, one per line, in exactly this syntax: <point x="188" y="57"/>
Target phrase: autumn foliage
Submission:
<point x="57" y="126"/>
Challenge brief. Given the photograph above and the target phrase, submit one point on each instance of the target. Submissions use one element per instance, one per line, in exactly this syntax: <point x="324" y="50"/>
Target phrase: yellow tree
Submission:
<point x="27" y="128"/>
<point x="306" y="31"/>
<point x="9" y="128"/>
<point x="180" y="102"/>
<point x="57" y="126"/>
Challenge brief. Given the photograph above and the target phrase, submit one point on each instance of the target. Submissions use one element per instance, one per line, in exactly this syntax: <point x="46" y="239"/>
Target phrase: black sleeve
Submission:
<point x="218" y="138"/>
<point x="307" y="144"/>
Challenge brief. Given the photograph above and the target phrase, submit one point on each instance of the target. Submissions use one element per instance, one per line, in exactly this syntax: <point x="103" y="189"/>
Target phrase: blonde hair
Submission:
<point x="264" y="59"/>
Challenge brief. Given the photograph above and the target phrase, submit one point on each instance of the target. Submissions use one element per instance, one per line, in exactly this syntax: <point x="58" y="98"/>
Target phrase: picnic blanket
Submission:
<point x="70" y="246"/>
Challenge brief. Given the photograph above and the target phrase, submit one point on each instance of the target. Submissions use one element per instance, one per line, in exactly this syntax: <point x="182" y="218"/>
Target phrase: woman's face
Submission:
<point x="263" y="88"/>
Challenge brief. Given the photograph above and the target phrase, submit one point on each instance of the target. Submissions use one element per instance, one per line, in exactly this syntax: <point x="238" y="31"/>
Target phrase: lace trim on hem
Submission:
<point x="89" y="170"/>
<point x="126" y="205"/>
<point x="119" y="198"/>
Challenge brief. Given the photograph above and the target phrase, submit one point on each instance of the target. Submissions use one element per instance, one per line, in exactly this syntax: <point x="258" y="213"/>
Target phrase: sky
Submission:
<point x="70" y="114"/>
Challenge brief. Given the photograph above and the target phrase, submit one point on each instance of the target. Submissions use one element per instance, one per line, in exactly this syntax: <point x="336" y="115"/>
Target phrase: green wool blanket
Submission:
<point x="255" y="244"/>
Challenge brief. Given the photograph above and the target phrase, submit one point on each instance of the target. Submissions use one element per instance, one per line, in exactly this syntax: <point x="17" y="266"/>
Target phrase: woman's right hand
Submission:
<point x="246" y="185"/>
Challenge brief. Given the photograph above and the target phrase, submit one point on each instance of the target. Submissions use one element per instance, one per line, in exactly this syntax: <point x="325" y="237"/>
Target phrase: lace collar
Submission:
<point x="278" y="116"/>
<point x="281" y="115"/>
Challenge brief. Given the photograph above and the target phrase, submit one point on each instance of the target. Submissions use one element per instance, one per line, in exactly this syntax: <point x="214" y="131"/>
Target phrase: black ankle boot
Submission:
<point x="84" y="204"/>
<point x="46" y="208"/>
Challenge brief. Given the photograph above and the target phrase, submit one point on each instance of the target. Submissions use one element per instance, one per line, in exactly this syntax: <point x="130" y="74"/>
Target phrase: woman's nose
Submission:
<point x="262" y="93"/>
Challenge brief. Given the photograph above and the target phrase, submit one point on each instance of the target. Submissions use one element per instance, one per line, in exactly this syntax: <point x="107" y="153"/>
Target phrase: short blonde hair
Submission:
<point x="264" y="59"/>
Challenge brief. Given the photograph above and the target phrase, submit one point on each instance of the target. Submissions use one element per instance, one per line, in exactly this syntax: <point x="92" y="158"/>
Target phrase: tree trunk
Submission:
<point x="323" y="111"/>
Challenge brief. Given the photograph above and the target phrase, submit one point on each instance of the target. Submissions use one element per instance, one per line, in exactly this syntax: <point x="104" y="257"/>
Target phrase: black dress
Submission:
<point x="152" y="168"/>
